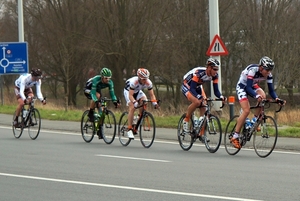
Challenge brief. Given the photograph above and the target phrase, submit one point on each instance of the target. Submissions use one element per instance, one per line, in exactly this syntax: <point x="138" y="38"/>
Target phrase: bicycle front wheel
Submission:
<point x="122" y="129"/>
<point x="213" y="134"/>
<point x="17" y="129"/>
<point x="147" y="130"/>
<point x="34" y="124"/>
<point x="109" y="127"/>
<point x="264" y="141"/>
<point x="185" y="139"/>
<point x="87" y="127"/>
<point x="230" y="129"/>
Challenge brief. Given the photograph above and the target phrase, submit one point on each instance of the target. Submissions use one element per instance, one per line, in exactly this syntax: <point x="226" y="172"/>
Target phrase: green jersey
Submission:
<point x="97" y="85"/>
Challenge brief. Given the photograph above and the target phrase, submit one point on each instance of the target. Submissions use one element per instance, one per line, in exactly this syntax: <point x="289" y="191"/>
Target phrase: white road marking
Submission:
<point x="133" y="158"/>
<point x="126" y="187"/>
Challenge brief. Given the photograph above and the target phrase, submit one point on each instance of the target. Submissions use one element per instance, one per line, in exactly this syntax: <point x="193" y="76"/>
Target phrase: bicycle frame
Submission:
<point x="247" y="133"/>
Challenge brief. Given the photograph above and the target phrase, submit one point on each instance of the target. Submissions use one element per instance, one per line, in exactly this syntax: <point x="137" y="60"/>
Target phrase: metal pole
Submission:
<point x="213" y="30"/>
<point x="1" y="86"/>
<point x="20" y="21"/>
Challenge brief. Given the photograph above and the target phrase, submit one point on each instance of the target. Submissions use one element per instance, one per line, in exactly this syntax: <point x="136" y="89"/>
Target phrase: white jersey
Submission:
<point x="25" y="82"/>
<point x="133" y="83"/>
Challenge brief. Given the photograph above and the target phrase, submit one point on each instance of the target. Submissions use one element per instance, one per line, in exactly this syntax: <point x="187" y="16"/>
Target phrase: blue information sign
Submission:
<point x="13" y="58"/>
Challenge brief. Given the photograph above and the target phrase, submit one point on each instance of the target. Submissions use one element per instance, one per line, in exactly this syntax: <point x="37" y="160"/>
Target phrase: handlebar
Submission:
<point x="215" y="99"/>
<point x="280" y="102"/>
<point x="147" y="101"/>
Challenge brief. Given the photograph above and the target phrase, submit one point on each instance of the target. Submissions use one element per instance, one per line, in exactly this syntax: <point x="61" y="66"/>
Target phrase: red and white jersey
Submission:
<point x="134" y="84"/>
<point x="25" y="82"/>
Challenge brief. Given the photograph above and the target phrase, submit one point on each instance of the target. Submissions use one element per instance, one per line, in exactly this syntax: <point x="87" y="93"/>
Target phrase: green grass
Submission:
<point x="161" y="121"/>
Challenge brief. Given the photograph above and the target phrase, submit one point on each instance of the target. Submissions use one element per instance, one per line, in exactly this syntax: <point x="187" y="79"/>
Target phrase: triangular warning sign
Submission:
<point x="217" y="47"/>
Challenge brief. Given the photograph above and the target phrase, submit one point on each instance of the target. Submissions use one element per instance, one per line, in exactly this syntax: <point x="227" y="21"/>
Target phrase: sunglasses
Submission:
<point x="106" y="78"/>
<point x="215" y="69"/>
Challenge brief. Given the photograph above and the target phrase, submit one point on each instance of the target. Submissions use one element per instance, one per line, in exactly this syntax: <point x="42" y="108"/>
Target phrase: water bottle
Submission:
<point x="96" y="116"/>
<point x="24" y="113"/>
<point x="253" y="120"/>
<point x="201" y="118"/>
<point x="196" y="121"/>
<point x="248" y="123"/>
<point x="135" y="119"/>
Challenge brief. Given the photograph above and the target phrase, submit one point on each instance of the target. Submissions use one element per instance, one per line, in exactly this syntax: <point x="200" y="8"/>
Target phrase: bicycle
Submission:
<point x="264" y="141"/>
<point x="30" y="118"/>
<point x="209" y="131"/>
<point x="104" y="123"/>
<point x="145" y="126"/>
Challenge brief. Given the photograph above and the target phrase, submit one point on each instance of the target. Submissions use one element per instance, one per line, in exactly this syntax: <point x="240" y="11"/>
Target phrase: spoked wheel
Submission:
<point x="87" y="127"/>
<point x="17" y="130"/>
<point x="213" y="134"/>
<point x="108" y="128"/>
<point x="264" y="141"/>
<point x="230" y="128"/>
<point x="34" y="124"/>
<point x="185" y="140"/>
<point x="122" y="129"/>
<point x="147" y="130"/>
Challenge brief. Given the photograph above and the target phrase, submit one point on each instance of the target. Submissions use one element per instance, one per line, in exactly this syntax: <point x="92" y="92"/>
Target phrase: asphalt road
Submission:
<point x="59" y="165"/>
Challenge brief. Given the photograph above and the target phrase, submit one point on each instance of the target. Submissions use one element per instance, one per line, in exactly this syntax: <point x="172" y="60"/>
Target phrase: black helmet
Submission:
<point x="212" y="62"/>
<point x="36" y="72"/>
<point x="267" y="63"/>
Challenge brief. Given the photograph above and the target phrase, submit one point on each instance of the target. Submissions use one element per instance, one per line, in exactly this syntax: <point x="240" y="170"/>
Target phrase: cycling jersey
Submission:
<point x="134" y="84"/>
<point x="25" y="82"/>
<point x="193" y="80"/>
<point x="249" y="79"/>
<point x="95" y="84"/>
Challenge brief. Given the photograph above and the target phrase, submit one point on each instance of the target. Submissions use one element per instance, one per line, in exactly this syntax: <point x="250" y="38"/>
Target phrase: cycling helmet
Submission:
<point x="212" y="62"/>
<point x="36" y="72"/>
<point x="143" y="73"/>
<point x="267" y="63"/>
<point x="105" y="72"/>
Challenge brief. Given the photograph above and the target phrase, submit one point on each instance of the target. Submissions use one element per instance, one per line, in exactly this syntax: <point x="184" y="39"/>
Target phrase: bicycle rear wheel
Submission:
<point x="147" y="130"/>
<point x="185" y="140"/>
<point x="34" y="123"/>
<point x="17" y="130"/>
<point x="122" y="129"/>
<point x="108" y="127"/>
<point x="230" y="128"/>
<point x="264" y="141"/>
<point x="87" y="127"/>
<point x="213" y="134"/>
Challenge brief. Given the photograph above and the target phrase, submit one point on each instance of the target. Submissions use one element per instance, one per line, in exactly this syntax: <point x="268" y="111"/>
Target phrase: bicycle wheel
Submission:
<point x="264" y="141"/>
<point x="17" y="130"/>
<point x="34" y="123"/>
<point x="230" y="149"/>
<point x="185" y="139"/>
<point x="108" y="127"/>
<point x="147" y="130"/>
<point x="213" y="134"/>
<point x="122" y="129"/>
<point x="87" y="127"/>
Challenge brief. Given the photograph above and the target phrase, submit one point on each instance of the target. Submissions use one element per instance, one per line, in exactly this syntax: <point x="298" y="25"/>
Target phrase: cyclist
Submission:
<point x="192" y="87"/>
<point x="93" y="89"/>
<point x="23" y="90"/>
<point x="134" y="95"/>
<point x="248" y="85"/>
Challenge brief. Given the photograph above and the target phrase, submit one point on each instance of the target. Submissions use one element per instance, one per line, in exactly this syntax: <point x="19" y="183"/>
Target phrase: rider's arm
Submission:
<point x="39" y="91"/>
<point x="216" y="88"/>
<point x="249" y="88"/>
<point x="272" y="91"/>
<point x="112" y="91"/>
<point x="193" y="90"/>
<point x="22" y="88"/>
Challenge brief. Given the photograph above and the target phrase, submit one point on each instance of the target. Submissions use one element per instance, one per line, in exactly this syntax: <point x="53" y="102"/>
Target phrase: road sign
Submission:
<point x="13" y="58"/>
<point x="217" y="47"/>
